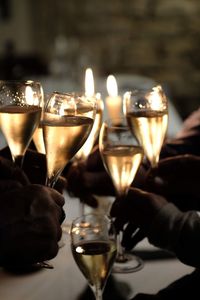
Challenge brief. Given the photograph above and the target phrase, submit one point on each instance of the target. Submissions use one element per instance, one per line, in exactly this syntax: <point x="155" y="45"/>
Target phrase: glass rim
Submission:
<point x="18" y="81"/>
<point x="103" y="217"/>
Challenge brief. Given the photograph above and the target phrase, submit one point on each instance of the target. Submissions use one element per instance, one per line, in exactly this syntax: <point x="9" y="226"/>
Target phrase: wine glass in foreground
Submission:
<point x="93" y="244"/>
<point x="146" y="111"/>
<point x="20" y="112"/>
<point x="67" y="122"/>
<point x="121" y="155"/>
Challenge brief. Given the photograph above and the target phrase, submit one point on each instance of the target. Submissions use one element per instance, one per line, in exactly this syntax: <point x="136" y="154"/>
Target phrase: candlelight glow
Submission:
<point x="89" y="83"/>
<point x="29" y="95"/>
<point x="155" y="98"/>
<point x="112" y="87"/>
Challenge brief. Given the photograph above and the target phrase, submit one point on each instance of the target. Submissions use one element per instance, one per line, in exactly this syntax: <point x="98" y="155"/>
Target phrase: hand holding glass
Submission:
<point x="121" y="155"/>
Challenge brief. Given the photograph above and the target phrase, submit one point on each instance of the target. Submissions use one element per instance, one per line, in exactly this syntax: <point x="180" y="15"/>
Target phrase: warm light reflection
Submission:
<point x="112" y="87"/>
<point x="155" y="98"/>
<point x="30" y="99"/>
<point x="79" y="249"/>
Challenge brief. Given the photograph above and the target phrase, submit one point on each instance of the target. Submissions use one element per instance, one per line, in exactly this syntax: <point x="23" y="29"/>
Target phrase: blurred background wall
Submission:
<point x="159" y="39"/>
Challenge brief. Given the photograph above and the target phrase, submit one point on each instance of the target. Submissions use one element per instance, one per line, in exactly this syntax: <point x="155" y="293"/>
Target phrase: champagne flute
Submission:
<point x="93" y="244"/>
<point x="122" y="155"/>
<point x="146" y="111"/>
<point x="67" y="122"/>
<point x="20" y="112"/>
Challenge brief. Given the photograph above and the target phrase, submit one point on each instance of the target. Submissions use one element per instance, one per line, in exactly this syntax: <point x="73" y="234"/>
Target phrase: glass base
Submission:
<point x="132" y="264"/>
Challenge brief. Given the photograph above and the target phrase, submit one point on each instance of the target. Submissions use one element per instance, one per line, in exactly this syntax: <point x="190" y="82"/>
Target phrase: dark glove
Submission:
<point x="135" y="213"/>
<point x="177" y="179"/>
<point x="30" y="218"/>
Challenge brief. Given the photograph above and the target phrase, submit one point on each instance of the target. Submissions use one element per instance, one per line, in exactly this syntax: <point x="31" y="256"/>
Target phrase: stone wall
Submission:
<point x="154" y="38"/>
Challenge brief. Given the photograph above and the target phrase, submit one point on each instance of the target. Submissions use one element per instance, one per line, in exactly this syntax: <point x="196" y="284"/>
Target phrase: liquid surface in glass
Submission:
<point x="150" y="127"/>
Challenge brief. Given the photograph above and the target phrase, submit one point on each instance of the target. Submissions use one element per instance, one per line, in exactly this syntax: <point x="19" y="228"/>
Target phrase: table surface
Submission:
<point x="65" y="281"/>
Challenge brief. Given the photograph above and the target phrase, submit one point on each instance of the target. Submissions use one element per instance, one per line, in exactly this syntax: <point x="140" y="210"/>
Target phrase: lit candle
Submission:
<point x="89" y="83"/>
<point x="113" y="101"/>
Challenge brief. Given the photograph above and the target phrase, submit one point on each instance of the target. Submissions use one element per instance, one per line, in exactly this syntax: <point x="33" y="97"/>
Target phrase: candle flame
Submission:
<point x="89" y="83"/>
<point x="112" y="86"/>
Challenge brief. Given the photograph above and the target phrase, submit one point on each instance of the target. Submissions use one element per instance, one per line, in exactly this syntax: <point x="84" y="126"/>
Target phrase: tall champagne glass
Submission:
<point x="147" y="115"/>
<point x="67" y="122"/>
<point x="93" y="244"/>
<point x="20" y="112"/>
<point x="121" y="154"/>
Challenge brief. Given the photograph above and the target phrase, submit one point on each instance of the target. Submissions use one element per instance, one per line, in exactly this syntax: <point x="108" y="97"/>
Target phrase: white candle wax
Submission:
<point x="114" y="106"/>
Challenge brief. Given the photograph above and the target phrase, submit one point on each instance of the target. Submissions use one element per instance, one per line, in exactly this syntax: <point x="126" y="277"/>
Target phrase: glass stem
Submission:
<point x="98" y="294"/>
<point x="18" y="160"/>
<point x="82" y="208"/>
<point x="50" y="182"/>
<point x="121" y="257"/>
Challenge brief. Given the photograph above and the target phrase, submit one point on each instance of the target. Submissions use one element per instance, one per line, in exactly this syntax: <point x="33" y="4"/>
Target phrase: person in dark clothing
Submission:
<point x="30" y="218"/>
<point x="163" y="204"/>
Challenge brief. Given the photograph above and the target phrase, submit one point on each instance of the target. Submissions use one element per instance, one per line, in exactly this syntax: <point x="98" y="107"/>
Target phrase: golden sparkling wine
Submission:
<point x="95" y="259"/>
<point x="63" y="137"/>
<point x="18" y="124"/>
<point x="122" y="163"/>
<point x="150" y="128"/>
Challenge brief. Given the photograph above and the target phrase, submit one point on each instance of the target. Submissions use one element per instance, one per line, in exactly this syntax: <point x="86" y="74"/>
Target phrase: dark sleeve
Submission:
<point x="187" y="140"/>
<point x="187" y="287"/>
<point x="178" y="232"/>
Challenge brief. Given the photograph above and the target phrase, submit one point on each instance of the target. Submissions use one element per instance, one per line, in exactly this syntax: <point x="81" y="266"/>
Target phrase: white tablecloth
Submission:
<point x="65" y="281"/>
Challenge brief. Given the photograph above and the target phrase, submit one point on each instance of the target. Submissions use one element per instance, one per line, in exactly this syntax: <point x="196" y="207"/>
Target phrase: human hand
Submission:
<point x="135" y="214"/>
<point x="177" y="179"/>
<point x="34" y="168"/>
<point x="11" y="176"/>
<point x="30" y="218"/>
<point x="87" y="178"/>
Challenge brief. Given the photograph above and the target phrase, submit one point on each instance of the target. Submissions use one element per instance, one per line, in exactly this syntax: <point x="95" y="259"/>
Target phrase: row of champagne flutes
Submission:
<point x="123" y="144"/>
<point x="62" y="123"/>
<point x="66" y="122"/>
